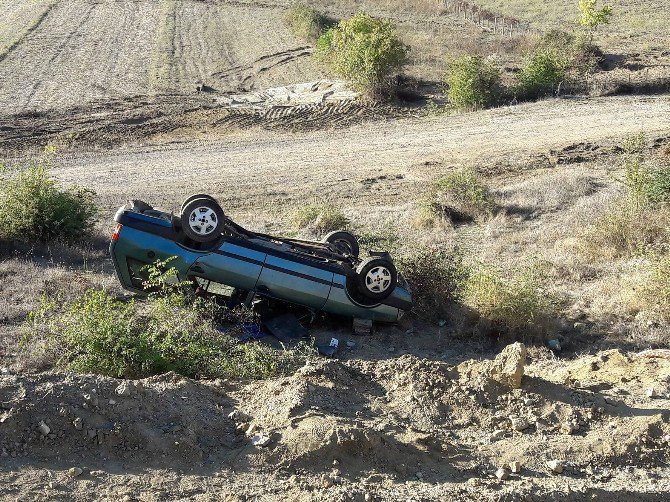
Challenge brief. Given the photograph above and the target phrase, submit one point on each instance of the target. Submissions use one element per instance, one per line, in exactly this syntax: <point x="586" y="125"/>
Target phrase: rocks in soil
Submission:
<point x="74" y="471"/>
<point x="78" y="423"/>
<point x="507" y="368"/>
<point x="124" y="389"/>
<point x="260" y="440"/>
<point x="497" y="435"/>
<point x="556" y="466"/>
<point x="519" y="423"/>
<point x="502" y="474"/>
<point x="43" y="428"/>
<point x="515" y="467"/>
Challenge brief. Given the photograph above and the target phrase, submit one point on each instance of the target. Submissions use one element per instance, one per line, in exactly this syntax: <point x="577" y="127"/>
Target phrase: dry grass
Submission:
<point x="632" y="20"/>
<point x="319" y="218"/>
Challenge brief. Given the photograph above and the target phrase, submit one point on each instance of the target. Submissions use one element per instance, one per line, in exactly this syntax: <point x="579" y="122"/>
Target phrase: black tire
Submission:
<point x="202" y="220"/>
<point x="195" y="197"/>
<point x="376" y="278"/>
<point x="344" y="242"/>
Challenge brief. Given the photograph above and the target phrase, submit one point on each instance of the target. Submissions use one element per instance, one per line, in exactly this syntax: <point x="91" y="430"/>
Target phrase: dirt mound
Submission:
<point x="384" y="428"/>
<point x="157" y="421"/>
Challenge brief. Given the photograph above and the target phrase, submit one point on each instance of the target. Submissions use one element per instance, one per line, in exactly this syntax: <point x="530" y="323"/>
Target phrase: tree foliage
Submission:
<point x="366" y="51"/>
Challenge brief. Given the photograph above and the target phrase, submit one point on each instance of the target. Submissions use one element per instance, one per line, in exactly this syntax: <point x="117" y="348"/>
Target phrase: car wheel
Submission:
<point x="344" y="242"/>
<point x="376" y="278"/>
<point x="195" y="197"/>
<point x="202" y="220"/>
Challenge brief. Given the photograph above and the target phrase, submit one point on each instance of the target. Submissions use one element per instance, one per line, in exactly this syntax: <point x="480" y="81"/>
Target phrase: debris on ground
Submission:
<point x="286" y="328"/>
<point x="507" y="368"/>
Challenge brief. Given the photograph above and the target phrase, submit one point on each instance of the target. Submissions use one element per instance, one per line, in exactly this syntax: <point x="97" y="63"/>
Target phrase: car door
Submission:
<point x="231" y="264"/>
<point x="295" y="281"/>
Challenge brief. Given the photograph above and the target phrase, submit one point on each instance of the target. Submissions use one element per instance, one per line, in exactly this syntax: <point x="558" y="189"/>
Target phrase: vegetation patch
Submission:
<point x="366" y="51"/>
<point x="319" y="218"/>
<point x="435" y="276"/>
<point x="512" y="303"/>
<point x="35" y="207"/>
<point x="305" y="22"/>
<point x="459" y="197"/>
<point x="473" y="82"/>
<point x="542" y="74"/>
<point x="171" y="331"/>
<point x="639" y="221"/>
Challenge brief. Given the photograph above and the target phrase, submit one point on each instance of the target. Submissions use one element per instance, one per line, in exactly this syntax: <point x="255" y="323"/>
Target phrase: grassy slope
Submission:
<point x="634" y="21"/>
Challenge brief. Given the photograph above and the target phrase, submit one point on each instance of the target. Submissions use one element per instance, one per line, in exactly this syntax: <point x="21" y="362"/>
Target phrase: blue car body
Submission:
<point x="258" y="264"/>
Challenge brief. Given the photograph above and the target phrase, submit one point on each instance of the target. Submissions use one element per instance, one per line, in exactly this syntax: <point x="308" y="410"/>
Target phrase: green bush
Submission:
<point x="366" y="51"/>
<point x="542" y="74"/>
<point x="511" y="303"/>
<point x="319" y="218"/>
<point x="305" y="22"/>
<point x="473" y="82"/>
<point x="35" y="207"/>
<point x="98" y="333"/>
<point x="435" y="276"/>
<point x="459" y="196"/>
<point x="581" y="54"/>
<point x="647" y="183"/>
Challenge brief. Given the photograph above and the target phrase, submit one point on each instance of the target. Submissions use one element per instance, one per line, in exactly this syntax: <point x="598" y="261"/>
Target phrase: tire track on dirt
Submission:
<point x="83" y="50"/>
<point x="25" y="33"/>
<point x="333" y="162"/>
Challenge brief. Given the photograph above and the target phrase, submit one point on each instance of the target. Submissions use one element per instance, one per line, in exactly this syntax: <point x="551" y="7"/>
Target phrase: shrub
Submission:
<point x="35" y="207"/>
<point x="305" y="22"/>
<point x="581" y="55"/>
<point x="319" y="218"/>
<point x="510" y="303"/>
<point x="627" y="229"/>
<point x="646" y="182"/>
<point x="435" y="276"/>
<point x="542" y="74"/>
<point x="473" y="82"/>
<point x="102" y="334"/>
<point x="459" y="196"/>
<point x="366" y="51"/>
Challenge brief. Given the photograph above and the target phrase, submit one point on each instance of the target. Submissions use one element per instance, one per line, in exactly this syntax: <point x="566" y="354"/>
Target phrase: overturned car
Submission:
<point x="220" y="257"/>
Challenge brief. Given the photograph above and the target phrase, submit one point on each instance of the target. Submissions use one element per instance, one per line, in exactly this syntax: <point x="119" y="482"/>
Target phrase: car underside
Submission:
<point x="220" y="257"/>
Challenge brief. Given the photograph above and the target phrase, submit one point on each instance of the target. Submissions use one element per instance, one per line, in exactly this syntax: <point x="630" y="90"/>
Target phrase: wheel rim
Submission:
<point x="343" y="245"/>
<point x="378" y="279"/>
<point x="202" y="220"/>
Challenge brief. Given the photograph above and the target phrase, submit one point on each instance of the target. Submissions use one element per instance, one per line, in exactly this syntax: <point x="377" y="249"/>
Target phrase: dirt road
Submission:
<point x="257" y="168"/>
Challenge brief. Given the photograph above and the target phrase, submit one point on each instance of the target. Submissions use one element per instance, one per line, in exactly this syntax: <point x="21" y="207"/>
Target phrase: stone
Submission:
<point x="502" y="474"/>
<point x="507" y="367"/>
<point x="260" y="440"/>
<point x="124" y="389"/>
<point x="515" y="466"/>
<point x="74" y="471"/>
<point x="556" y="466"/>
<point x="568" y="428"/>
<point x="43" y="428"/>
<point x="497" y="435"/>
<point x="651" y="392"/>
<point x="519" y="423"/>
<point x="78" y="423"/>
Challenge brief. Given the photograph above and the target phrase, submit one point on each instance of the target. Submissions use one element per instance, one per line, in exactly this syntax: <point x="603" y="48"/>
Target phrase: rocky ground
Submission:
<point x="399" y="427"/>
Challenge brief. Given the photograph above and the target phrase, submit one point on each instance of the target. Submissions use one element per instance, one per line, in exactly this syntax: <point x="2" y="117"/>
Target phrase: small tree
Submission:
<point x="366" y="51"/>
<point x="592" y="17"/>
<point x="473" y="82"/>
